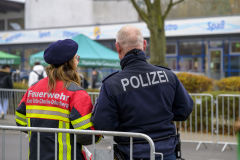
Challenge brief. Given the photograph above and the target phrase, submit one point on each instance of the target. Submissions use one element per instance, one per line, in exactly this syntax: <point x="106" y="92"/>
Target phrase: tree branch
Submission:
<point x="149" y="5"/>
<point x="178" y="2"/>
<point x="169" y="8"/>
<point x="141" y="13"/>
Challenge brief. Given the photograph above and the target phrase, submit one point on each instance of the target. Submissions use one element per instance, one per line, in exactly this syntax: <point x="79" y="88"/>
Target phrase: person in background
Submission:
<point x="36" y="74"/>
<point x="6" y="83"/>
<point x="141" y="98"/>
<point x="94" y="78"/>
<point x="85" y="84"/>
<point x="57" y="101"/>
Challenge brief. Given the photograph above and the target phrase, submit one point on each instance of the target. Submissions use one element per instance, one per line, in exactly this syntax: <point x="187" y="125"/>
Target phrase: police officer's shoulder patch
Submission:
<point x="163" y="67"/>
<point x="109" y="76"/>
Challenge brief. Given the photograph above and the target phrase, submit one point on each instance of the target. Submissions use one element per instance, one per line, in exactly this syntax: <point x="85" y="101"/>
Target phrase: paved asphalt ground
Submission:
<point x="12" y="147"/>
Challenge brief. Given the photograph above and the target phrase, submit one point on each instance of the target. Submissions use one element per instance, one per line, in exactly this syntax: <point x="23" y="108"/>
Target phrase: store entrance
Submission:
<point x="215" y="64"/>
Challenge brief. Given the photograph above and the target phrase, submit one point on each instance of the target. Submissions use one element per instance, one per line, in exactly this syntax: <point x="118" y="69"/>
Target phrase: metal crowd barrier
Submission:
<point x="94" y="96"/>
<point x="225" y="119"/>
<point x="206" y="124"/>
<point x="73" y="131"/>
<point x="12" y="97"/>
<point x="190" y="130"/>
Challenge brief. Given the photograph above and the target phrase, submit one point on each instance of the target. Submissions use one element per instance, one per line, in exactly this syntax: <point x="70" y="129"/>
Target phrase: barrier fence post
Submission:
<point x="20" y="146"/>
<point x="38" y="145"/>
<point x="3" y="144"/>
<point x="131" y="147"/>
<point x="203" y="120"/>
<point x="75" y="147"/>
<point x="238" y="153"/>
<point x="56" y="146"/>
<point x="112" y="153"/>
<point x="93" y="154"/>
<point x="226" y="119"/>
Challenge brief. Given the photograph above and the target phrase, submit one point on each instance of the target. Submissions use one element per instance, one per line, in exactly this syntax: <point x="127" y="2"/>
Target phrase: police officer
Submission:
<point x="141" y="98"/>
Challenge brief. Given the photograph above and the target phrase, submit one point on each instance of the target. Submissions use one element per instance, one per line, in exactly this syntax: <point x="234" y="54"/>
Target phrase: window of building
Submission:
<point x="16" y="24"/>
<point x="4" y="49"/>
<point x="226" y="47"/>
<point x="17" y="51"/>
<point x="235" y="62"/>
<point x="42" y="47"/>
<point x="172" y="62"/>
<point x="225" y="63"/>
<point x="147" y="50"/>
<point x="190" y="64"/>
<point x="171" y="49"/>
<point x="235" y="47"/>
<point x="235" y="74"/>
<point x="114" y="48"/>
<point x="2" y="25"/>
<point x="190" y="48"/>
<point x="28" y="51"/>
<point x="108" y="45"/>
<point x="215" y="44"/>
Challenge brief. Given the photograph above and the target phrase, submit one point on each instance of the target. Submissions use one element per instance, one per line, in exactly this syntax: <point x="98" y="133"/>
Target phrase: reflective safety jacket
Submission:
<point x="65" y="108"/>
<point x="142" y="98"/>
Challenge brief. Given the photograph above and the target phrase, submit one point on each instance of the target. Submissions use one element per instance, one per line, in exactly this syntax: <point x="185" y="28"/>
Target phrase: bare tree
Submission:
<point x="154" y="18"/>
<point x="155" y="12"/>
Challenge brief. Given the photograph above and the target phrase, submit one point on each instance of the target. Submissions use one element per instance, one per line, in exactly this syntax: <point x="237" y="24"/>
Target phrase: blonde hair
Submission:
<point x="64" y="73"/>
<point x="130" y="37"/>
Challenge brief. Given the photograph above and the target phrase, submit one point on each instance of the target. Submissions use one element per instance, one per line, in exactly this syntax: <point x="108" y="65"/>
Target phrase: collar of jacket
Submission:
<point x="133" y="59"/>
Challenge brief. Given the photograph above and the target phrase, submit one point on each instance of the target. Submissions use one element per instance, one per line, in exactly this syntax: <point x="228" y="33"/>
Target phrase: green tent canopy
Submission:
<point x="92" y="54"/>
<point x="38" y="57"/>
<point x="6" y="58"/>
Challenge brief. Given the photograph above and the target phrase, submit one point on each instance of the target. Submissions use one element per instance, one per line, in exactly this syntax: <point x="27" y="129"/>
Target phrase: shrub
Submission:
<point x="195" y="83"/>
<point x="92" y="90"/>
<point x="20" y="86"/>
<point x="229" y="84"/>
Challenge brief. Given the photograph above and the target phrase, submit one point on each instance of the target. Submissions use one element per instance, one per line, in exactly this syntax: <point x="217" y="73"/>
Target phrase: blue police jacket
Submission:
<point x="142" y="98"/>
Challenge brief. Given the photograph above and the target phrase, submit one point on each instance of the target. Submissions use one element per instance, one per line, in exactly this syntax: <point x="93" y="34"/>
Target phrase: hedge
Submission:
<point x="195" y="83"/>
<point x="229" y="84"/>
<point x="20" y="86"/>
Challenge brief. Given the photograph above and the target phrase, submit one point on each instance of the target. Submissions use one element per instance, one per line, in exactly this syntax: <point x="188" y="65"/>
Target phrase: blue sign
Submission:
<point x="70" y="34"/>
<point x="15" y="36"/>
<point x="44" y="34"/>
<point x="216" y="26"/>
<point x="169" y="27"/>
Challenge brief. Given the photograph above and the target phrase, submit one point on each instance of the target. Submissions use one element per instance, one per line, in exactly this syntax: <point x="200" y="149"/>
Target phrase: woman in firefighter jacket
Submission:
<point x="57" y="101"/>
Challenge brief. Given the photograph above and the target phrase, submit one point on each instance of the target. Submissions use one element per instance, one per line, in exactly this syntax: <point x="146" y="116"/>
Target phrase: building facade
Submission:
<point x="35" y="14"/>
<point x="209" y="46"/>
<point x="55" y="13"/>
